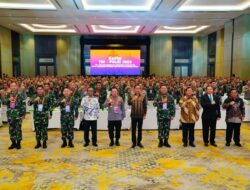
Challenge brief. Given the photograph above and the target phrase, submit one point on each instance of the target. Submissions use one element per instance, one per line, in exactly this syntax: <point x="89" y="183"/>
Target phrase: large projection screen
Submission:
<point x="115" y="62"/>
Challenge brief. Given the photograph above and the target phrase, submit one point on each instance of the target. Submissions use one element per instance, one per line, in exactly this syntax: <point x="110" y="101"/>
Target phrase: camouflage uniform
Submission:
<point x="164" y="115"/>
<point x="52" y="99"/>
<point x="102" y="97"/>
<point x="15" y="111"/>
<point x="41" y="117"/>
<point x="151" y="92"/>
<point x="77" y="96"/>
<point x="68" y="118"/>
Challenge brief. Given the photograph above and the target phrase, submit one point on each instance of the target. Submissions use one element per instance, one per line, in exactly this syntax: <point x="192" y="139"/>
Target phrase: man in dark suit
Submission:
<point x="211" y="113"/>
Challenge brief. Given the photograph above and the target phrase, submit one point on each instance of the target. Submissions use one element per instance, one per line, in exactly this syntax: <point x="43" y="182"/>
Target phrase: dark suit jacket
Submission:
<point x="210" y="111"/>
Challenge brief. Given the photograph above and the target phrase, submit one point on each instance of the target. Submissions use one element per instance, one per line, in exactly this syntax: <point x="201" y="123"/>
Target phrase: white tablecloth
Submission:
<point x="4" y="111"/>
<point x="150" y="121"/>
<point x="55" y="121"/>
<point x="1" y="122"/>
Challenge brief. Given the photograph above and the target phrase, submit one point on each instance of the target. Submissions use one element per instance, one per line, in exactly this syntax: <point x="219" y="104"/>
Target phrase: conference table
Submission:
<point x="150" y="122"/>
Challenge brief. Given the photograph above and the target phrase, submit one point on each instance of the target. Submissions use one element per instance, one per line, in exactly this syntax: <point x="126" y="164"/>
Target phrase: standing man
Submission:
<point x="211" y="113"/>
<point x="189" y="105"/>
<point x="116" y="113"/>
<point x="165" y="113"/>
<point x="75" y="92"/>
<point x="91" y="109"/>
<point x="42" y="114"/>
<point x="138" y="103"/>
<point x="16" y="110"/>
<point x="69" y="113"/>
<point x="100" y="93"/>
<point x="235" y="113"/>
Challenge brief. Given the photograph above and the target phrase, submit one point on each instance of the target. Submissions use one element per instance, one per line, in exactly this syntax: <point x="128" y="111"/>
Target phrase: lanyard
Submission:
<point x="69" y="101"/>
<point x="43" y="100"/>
<point x="164" y="98"/>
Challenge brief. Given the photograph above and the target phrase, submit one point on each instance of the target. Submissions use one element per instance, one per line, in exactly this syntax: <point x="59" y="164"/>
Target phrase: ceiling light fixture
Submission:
<point x="115" y="27"/>
<point x="164" y="31"/>
<point x="30" y="28"/>
<point x="48" y="6"/>
<point x="49" y="26"/>
<point x="97" y="29"/>
<point x="189" y="6"/>
<point x="179" y="28"/>
<point x="147" y="6"/>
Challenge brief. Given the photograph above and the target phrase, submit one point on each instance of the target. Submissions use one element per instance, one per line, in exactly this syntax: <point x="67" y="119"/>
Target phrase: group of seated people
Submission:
<point x="94" y="93"/>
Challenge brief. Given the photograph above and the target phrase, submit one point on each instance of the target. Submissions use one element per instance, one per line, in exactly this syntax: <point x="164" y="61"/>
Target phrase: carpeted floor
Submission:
<point x="121" y="167"/>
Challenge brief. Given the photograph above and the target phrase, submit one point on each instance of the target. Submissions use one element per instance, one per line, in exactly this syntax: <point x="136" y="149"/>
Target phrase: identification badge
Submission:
<point x="12" y="105"/>
<point x="67" y="108"/>
<point x="40" y="107"/>
<point x="164" y="106"/>
<point x="116" y="109"/>
<point x="151" y="91"/>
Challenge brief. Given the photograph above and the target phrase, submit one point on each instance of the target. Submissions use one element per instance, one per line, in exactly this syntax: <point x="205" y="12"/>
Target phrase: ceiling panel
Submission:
<point x="163" y="13"/>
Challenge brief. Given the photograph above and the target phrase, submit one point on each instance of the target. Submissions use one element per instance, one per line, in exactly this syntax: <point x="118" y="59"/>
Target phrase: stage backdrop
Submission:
<point x="115" y="62"/>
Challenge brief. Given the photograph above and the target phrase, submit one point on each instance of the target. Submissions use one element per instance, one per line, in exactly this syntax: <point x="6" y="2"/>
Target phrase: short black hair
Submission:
<point x="113" y="88"/>
<point x="232" y="89"/>
<point x="39" y="86"/>
<point x="163" y="84"/>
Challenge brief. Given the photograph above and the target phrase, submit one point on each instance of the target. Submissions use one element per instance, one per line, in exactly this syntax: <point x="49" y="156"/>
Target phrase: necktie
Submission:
<point x="211" y="98"/>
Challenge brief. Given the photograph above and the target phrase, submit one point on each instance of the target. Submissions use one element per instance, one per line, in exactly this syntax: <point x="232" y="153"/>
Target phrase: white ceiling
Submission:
<point x="71" y="15"/>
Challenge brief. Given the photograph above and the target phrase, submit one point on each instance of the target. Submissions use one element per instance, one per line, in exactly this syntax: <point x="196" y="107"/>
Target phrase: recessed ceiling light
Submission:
<point x="49" y="26"/>
<point x="46" y="6"/>
<point x="179" y="28"/>
<point x="32" y="29"/>
<point x="213" y="5"/>
<point x="116" y="5"/>
<point x="114" y="29"/>
<point x="163" y="30"/>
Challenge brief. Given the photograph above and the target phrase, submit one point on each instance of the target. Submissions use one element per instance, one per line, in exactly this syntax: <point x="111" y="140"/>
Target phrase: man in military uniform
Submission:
<point x="16" y="110"/>
<point x="42" y="114"/>
<point x="165" y="113"/>
<point x="69" y="113"/>
<point x="100" y="93"/>
<point x="75" y="92"/>
<point x="50" y="95"/>
<point x="151" y="91"/>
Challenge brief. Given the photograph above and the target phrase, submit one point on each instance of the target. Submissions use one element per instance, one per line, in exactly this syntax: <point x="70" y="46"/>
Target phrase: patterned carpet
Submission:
<point x="121" y="167"/>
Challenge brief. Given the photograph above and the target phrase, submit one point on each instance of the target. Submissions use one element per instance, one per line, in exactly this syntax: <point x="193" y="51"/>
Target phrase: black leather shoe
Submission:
<point x="117" y="143"/>
<point x="38" y="145"/>
<point x="192" y="145"/>
<point x="227" y="144"/>
<point x="160" y="143"/>
<point x="214" y="144"/>
<point x="95" y="144"/>
<point x="44" y="144"/>
<point x="86" y="144"/>
<point x="133" y="146"/>
<point x="111" y="143"/>
<point x="18" y="145"/>
<point x="140" y="145"/>
<point x="185" y="145"/>
<point x="205" y="144"/>
<point x="166" y="144"/>
<point x="71" y="145"/>
<point x="238" y="144"/>
<point x="12" y="146"/>
<point x="64" y="144"/>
